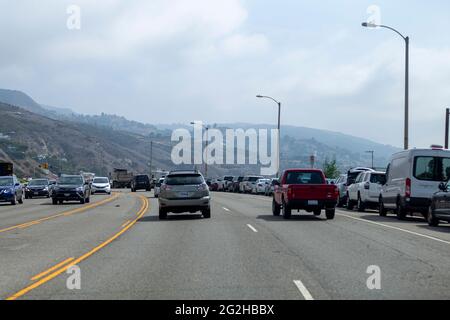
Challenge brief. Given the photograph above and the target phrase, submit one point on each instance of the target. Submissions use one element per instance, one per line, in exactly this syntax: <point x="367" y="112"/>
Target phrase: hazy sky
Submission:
<point x="166" y="61"/>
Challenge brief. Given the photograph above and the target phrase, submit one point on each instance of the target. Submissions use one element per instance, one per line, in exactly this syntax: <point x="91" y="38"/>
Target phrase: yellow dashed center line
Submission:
<point x="50" y="274"/>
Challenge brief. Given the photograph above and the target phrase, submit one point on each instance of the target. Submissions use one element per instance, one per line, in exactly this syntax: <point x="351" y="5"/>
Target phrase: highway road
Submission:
<point x="123" y="251"/>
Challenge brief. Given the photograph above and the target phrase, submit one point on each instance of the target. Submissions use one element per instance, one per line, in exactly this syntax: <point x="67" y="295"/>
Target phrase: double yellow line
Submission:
<point x="53" y="272"/>
<point x="65" y="213"/>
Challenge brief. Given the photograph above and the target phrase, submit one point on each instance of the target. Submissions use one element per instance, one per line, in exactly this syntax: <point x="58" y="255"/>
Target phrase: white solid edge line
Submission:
<point x="252" y="228"/>
<point x="303" y="290"/>
<point x="395" y="228"/>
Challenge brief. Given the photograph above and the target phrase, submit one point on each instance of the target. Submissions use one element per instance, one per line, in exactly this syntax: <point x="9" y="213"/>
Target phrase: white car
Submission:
<point x="100" y="185"/>
<point x="260" y="186"/>
<point x="365" y="192"/>
<point x="249" y="183"/>
<point x="412" y="177"/>
<point x="158" y="184"/>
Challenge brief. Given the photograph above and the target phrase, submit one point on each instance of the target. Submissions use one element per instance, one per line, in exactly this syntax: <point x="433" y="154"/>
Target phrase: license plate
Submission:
<point x="36" y="193"/>
<point x="313" y="202"/>
<point x="183" y="194"/>
<point x="66" y="194"/>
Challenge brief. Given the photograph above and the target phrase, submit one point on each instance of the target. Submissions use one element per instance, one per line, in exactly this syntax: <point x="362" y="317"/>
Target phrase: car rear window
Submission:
<point x="304" y="177"/>
<point x="432" y="168"/>
<point x="141" y="178"/>
<point x="378" y="178"/>
<point x="189" y="179"/>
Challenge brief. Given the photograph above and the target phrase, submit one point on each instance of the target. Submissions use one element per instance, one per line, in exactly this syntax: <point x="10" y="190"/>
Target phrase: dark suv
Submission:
<point x="11" y="190"/>
<point x="141" y="182"/>
<point x="71" y="188"/>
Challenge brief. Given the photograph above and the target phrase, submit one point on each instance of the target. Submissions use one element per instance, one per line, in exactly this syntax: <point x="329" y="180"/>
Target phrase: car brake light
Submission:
<point x="202" y="187"/>
<point x="290" y="191"/>
<point x="165" y="187"/>
<point x="408" y="188"/>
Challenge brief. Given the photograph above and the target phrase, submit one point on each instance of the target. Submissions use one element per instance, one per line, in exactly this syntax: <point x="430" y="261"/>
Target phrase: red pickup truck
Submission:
<point x="304" y="189"/>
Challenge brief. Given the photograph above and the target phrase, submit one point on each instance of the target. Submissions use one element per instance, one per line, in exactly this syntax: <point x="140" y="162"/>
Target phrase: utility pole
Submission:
<point x="372" y="153"/>
<point x="447" y="126"/>
<point x="151" y="158"/>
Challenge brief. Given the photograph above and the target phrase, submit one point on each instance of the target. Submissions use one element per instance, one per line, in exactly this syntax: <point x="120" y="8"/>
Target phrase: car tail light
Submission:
<point x="290" y="192"/>
<point x="202" y="187"/>
<point x="165" y="187"/>
<point x="408" y="188"/>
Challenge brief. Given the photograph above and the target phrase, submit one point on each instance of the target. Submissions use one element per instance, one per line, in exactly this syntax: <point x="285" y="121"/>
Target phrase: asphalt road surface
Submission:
<point x="122" y="251"/>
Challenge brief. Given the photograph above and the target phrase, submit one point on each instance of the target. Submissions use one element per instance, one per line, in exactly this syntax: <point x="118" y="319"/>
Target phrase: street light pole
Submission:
<point x="279" y="129"/>
<point x="406" y="39"/>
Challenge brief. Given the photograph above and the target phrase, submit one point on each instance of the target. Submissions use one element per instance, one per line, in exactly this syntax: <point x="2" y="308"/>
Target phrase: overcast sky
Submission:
<point x="170" y="61"/>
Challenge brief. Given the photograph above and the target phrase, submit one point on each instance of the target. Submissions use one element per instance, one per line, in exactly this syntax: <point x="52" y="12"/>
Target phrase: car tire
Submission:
<point x="61" y="201"/>
<point x="276" y="209"/>
<point x="83" y="201"/>
<point x="162" y="214"/>
<point x="206" y="213"/>
<point x="317" y="212"/>
<point x="350" y="204"/>
<point x="54" y="201"/>
<point x="26" y="197"/>
<point x="400" y="211"/>
<point x="382" y="211"/>
<point x="330" y="214"/>
<point x="287" y="211"/>
<point x="361" y="206"/>
<point x="431" y="219"/>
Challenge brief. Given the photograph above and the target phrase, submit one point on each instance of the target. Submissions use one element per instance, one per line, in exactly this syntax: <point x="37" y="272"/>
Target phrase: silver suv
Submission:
<point x="184" y="191"/>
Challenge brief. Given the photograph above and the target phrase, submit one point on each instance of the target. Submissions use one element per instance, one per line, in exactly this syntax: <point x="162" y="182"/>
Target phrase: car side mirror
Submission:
<point x="443" y="186"/>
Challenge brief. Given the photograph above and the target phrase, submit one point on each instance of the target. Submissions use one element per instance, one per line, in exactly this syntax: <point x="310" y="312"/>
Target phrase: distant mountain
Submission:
<point x="59" y="111"/>
<point x="20" y="99"/>
<point x="298" y="143"/>
<point x="28" y="139"/>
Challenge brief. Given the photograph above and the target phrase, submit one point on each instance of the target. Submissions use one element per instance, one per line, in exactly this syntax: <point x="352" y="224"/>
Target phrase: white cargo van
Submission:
<point x="412" y="177"/>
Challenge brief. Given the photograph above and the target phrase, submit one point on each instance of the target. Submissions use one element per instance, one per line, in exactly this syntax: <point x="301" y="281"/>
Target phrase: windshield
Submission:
<point x="71" y="180"/>
<point x="304" y="178"/>
<point x="185" y="179"/>
<point x="38" y="183"/>
<point x="432" y="168"/>
<point x="101" y="180"/>
<point x="6" y="182"/>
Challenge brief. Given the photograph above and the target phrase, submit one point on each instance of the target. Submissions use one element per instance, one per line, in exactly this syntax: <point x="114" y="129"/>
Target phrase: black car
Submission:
<point x="439" y="209"/>
<point x="141" y="182"/>
<point x="37" y="188"/>
<point x="71" y="188"/>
